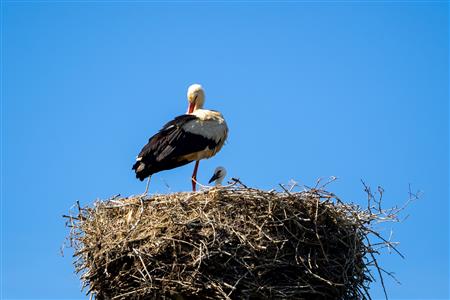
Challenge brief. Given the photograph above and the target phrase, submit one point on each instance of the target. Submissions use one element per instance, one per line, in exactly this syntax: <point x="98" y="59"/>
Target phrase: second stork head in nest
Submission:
<point x="218" y="176"/>
<point x="196" y="135"/>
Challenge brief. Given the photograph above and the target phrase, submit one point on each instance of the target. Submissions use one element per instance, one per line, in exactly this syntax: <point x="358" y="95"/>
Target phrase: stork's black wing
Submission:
<point x="166" y="149"/>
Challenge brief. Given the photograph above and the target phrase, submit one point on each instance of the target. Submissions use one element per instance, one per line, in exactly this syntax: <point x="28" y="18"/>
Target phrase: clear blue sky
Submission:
<point x="353" y="90"/>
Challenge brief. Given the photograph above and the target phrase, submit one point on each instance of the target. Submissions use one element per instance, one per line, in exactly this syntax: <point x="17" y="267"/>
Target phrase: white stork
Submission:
<point x="196" y="135"/>
<point x="218" y="176"/>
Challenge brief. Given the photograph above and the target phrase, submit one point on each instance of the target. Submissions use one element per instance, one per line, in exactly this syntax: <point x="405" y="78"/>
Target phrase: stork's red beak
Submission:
<point x="191" y="107"/>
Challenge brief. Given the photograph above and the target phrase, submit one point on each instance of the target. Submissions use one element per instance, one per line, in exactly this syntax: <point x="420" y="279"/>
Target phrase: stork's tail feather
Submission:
<point x="141" y="171"/>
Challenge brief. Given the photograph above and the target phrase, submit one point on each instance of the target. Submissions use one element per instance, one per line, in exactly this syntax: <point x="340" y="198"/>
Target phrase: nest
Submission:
<point x="227" y="243"/>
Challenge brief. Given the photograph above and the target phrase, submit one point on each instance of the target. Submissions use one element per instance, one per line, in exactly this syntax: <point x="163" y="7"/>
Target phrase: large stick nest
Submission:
<point x="226" y="243"/>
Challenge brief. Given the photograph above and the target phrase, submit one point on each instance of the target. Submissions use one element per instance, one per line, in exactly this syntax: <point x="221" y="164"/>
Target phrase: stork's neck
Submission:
<point x="219" y="181"/>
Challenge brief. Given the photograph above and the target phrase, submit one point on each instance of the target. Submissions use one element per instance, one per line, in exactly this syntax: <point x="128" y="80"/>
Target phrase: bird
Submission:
<point x="196" y="135"/>
<point x="218" y="176"/>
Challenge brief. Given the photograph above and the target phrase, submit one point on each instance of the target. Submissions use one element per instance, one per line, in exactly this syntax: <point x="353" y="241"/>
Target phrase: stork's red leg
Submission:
<point x="194" y="176"/>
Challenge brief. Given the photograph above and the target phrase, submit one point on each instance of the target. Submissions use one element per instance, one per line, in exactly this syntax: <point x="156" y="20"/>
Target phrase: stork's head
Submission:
<point x="219" y="175"/>
<point x="196" y="97"/>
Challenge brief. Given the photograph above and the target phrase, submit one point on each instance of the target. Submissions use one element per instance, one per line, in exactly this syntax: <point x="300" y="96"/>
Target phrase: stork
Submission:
<point x="218" y="176"/>
<point x="196" y="135"/>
